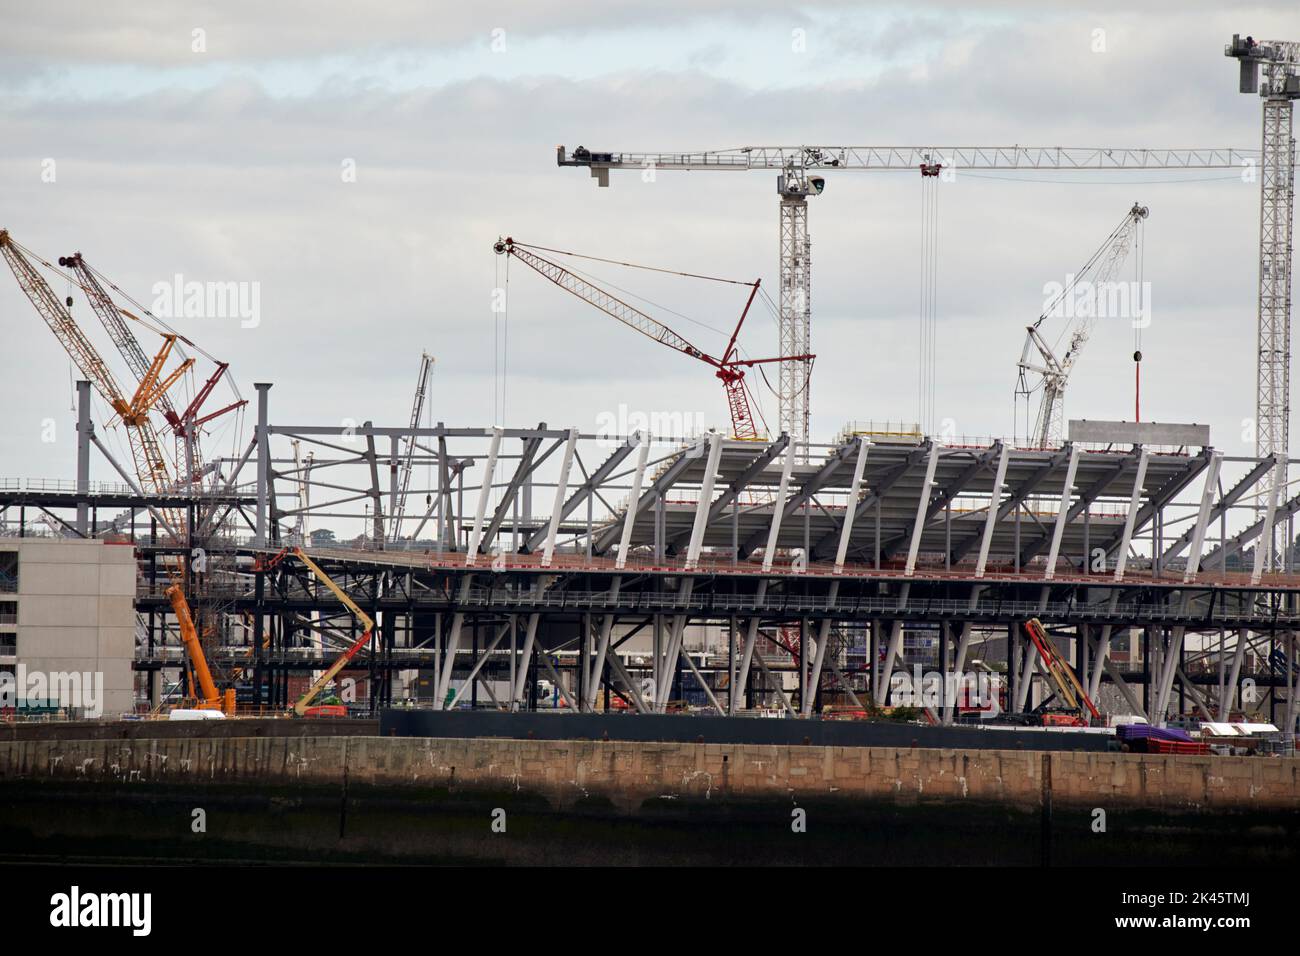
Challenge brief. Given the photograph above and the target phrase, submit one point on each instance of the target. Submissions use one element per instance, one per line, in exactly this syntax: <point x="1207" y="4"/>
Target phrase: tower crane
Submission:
<point x="1053" y="372"/>
<point x="1280" y="62"/>
<point x="799" y="170"/>
<point x="303" y="706"/>
<point x="398" y="507"/>
<point x="730" y="369"/>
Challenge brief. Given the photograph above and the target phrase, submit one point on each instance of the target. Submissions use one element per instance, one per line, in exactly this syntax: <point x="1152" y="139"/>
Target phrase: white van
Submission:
<point x="181" y="713"/>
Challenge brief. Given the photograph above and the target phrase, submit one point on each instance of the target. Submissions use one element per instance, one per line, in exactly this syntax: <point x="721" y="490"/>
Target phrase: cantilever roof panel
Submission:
<point x="896" y="473"/>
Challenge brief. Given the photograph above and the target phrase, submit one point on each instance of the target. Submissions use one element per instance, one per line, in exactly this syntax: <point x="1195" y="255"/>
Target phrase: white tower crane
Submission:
<point x="1052" y="372"/>
<point x="1281" y="87"/>
<point x="798" y="169"/>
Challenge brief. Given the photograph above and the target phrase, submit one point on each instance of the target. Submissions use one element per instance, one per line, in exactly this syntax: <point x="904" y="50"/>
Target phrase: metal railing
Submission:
<point x="850" y="607"/>
<point x="69" y="486"/>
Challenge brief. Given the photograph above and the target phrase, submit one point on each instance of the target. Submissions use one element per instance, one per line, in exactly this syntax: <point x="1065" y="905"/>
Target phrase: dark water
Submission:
<point x="149" y="823"/>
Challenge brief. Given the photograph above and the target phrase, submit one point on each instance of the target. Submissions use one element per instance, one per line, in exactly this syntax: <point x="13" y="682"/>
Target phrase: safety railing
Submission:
<point x="69" y="486"/>
<point x="852" y="607"/>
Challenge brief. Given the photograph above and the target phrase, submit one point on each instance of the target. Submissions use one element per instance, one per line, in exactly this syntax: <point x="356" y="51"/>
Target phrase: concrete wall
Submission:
<point x="630" y="773"/>
<point x="1139" y="433"/>
<point x="76" y="612"/>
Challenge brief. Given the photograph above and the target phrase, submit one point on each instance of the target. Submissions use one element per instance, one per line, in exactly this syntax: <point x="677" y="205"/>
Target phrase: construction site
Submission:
<point x="1086" y="585"/>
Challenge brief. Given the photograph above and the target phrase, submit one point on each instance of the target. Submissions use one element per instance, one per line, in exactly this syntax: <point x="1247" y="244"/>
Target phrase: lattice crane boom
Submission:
<point x="110" y="316"/>
<point x="60" y="322"/>
<point x="404" y="478"/>
<point x="822" y="158"/>
<point x="1053" y="371"/>
<point x="150" y="465"/>
<point x="185" y="424"/>
<point x="611" y="305"/>
<point x="730" y="369"/>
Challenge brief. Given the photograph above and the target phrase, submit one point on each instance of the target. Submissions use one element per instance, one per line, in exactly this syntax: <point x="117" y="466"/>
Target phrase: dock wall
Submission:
<point x="627" y="774"/>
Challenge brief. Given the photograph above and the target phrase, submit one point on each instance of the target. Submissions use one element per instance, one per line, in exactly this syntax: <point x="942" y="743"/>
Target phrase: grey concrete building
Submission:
<point x="67" y="607"/>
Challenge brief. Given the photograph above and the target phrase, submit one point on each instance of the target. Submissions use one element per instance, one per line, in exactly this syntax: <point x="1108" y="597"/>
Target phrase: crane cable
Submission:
<point x="632" y="265"/>
<point x="68" y="277"/>
<point x="928" y="324"/>
<point x="774" y="312"/>
<point x="1106" y="248"/>
<point x="601" y="281"/>
<point x="741" y="351"/>
<point x="1139" y="320"/>
<point x="181" y="339"/>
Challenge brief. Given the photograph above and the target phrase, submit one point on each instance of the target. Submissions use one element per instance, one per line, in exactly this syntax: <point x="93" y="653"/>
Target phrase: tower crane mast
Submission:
<point x="1280" y="63"/>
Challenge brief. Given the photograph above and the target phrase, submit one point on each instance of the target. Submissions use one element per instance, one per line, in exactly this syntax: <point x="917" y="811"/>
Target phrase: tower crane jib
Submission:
<point x="800" y="172"/>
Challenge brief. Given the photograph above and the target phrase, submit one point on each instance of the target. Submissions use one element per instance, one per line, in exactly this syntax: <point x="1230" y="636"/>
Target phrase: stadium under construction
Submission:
<point x="1127" y="566"/>
<point x="645" y="572"/>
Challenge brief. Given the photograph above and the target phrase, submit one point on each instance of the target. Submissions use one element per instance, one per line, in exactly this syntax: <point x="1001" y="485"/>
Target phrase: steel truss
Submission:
<point x="599" y="563"/>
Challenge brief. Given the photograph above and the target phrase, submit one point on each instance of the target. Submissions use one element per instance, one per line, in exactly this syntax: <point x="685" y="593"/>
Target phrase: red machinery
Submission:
<point x="730" y="368"/>
<point x="1068" y="688"/>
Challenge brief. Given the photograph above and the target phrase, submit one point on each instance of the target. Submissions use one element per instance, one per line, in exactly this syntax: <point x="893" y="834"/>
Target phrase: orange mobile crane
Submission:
<point x="202" y="687"/>
<point x="303" y="708"/>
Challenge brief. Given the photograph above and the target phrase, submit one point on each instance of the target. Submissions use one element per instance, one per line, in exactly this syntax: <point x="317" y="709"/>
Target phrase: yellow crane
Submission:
<point x="185" y="422"/>
<point x="1068" y="689"/>
<point x="151" y="467"/>
<point x="304" y="702"/>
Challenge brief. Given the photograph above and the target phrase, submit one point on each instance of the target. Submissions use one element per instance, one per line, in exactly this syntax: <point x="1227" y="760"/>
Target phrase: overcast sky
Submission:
<point x="215" y="141"/>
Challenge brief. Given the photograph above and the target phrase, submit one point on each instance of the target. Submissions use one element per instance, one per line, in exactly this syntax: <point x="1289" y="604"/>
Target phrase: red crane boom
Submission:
<point x="730" y="369"/>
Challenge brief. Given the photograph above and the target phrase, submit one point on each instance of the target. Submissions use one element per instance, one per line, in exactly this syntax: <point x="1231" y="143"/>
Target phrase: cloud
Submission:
<point x="162" y="34"/>
<point x="230" y="179"/>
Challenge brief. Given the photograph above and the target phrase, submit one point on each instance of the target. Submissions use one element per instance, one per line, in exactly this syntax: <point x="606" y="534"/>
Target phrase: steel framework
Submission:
<point x="661" y="568"/>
